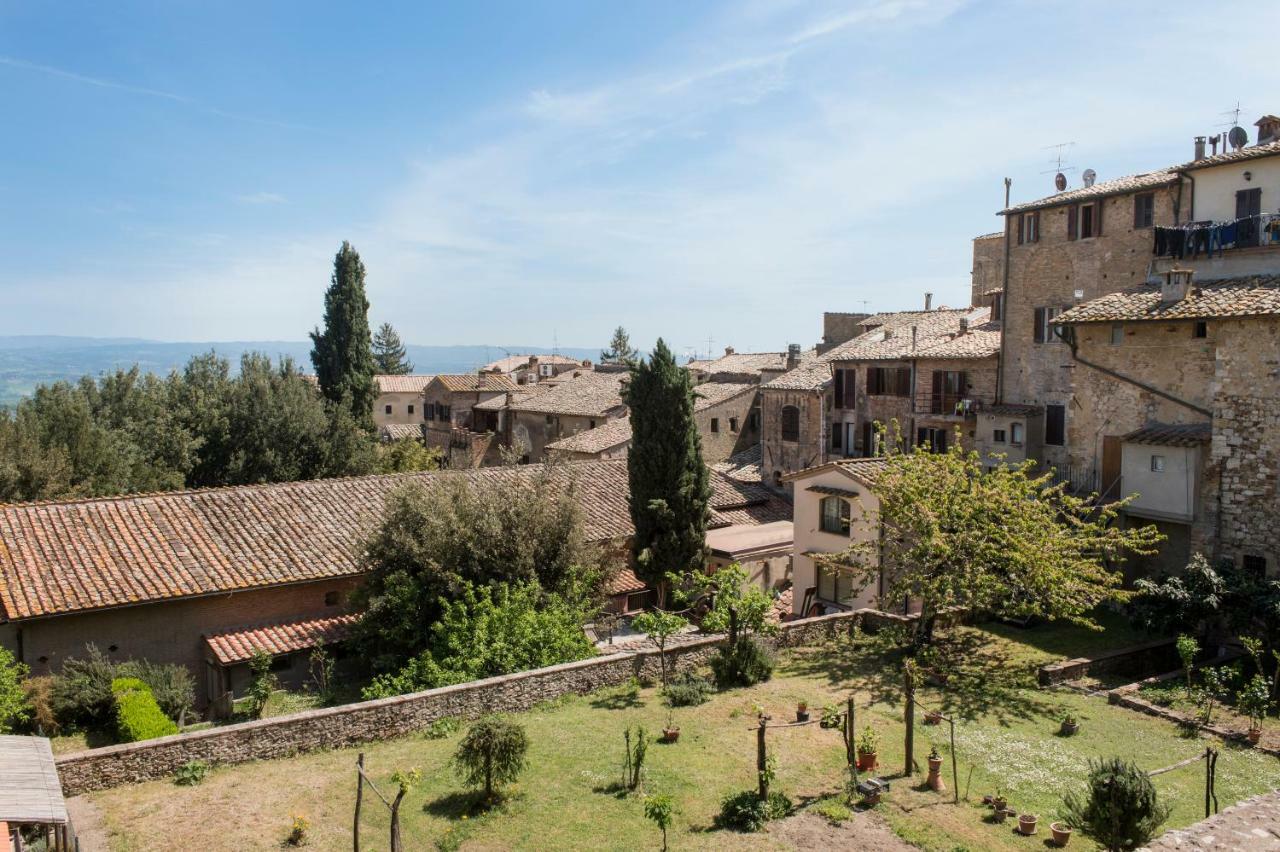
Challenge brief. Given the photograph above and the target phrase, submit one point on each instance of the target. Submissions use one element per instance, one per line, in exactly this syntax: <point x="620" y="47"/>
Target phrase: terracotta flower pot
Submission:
<point x="1069" y="728"/>
<point x="1255" y="734"/>
<point x="933" y="718"/>
<point x="670" y="735"/>
<point x="1061" y="833"/>
<point x="866" y="761"/>
<point x="999" y="802"/>
<point x="1027" y="824"/>
<point x="802" y="715"/>
<point x="935" y="775"/>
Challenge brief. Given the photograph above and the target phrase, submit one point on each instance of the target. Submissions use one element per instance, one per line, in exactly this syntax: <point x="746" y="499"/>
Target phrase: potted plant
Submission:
<point x="1061" y="833"/>
<point x="1027" y="824"/>
<point x="998" y="801"/>
<point x="933" y="717"/>
<point x="868" y="745"/>
<point x="831" y="717"/>
<point x="935" y="770"/>
<point x="671" y="731"/>
<point x="1069" y="725"/>
<point x="802" y="710"/>
<point x="1254" y="701"/>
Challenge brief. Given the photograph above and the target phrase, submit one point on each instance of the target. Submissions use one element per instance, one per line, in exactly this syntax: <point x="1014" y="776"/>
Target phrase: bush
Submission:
<point x="15" y="708"/>
<point x="191" y="773"/>
<point x="40" y="698"/>
<point x="442" y="729"/>
<point x="1119" y="810"/>
<point x="262" y="683"/>
<point x="81" y="695"/>
<point x="746" y="812"/>
<point x="172" y="685"/>
<point x="833" y="811"/>
<point x="138" y="716"/>
<point x="492" y="753"/>
<point x="743" y="663"/>
<point x="688" y="689"/>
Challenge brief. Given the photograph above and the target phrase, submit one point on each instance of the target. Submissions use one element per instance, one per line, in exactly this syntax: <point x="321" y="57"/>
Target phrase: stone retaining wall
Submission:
<point x="1137" y="660"/>
<point x="385" y="718"/>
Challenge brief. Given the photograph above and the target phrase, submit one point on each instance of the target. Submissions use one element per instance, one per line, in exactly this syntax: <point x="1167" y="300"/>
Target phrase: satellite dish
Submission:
<point x="1060" y="181"/>
<point x="1238" y="137"/>
<point x="1089" y="177"/>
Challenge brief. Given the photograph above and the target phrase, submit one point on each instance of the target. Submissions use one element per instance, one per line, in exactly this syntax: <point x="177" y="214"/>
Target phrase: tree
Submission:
<point x="736" y="604"/>
<point x="1119" y="810"/>
<point x="406" y="456"/>
<point x="342" y="354"/>
<point x="262" y="682"/>
<point x="660" y="626"/>
<point x="1005" y="541"/>
<point x="492" y="753"/>
<point x="15" y="709"/>
<point x="521" y="528"/>
<point x="389" y="355"/>
<point x="670" y="486"/>
<point x="620" y="350"/>
<point x="487" y="631"/>
<point x="661" y="809"/>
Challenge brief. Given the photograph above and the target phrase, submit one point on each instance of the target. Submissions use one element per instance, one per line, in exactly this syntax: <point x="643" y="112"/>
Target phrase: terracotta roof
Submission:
<point x="1171" y="434"/>
<point x="1010" y="409"/>
<point x="514" y="362"/>
<point x="475" y="382"/>
<point x="1257" y="295"/>
<point x="624" y="582"/>
<point x="402" y="384"/>
<point x="813" y="374"/>
<point x="237" y="646"/>
<point x="740" y="363"/>
<point x="400" y="431"/>
<point x="589" y="395"/>
<point x="1116" y="186"/>
<point x="61" y="557"/>
<point x="498" y="403"/>
<point x="937" y="336"/>
<point x="1253" y="152"/>
<point x="990" y="236"/>
<point x="744" y="466"/>
<point x="615" y="433"/>
<point x="864" y="469"/>
<point x="979" y="341"/>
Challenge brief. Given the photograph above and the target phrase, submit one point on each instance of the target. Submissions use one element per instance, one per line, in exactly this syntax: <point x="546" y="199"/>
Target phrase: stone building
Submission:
<point x="452" y="424"/>
<point x="739" y="367"/>
<point x="793" y="418"/>
<point x="399" y="400"/>
<point x="587" y="400"/>
<point x="531" y="369"/>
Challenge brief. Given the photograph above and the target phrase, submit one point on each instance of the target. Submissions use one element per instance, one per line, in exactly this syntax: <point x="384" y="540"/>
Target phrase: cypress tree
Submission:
<point x="389" y="355"/>
<point x="342" y="354"/>
<point x="670" y="486"/>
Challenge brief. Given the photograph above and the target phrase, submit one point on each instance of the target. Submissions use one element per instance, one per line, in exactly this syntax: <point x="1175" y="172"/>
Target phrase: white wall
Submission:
<point x="809" y="538"/>
<point x="399" y="403"/>
<point x="1215" y="188"/>
<point x="1167" y="495"/>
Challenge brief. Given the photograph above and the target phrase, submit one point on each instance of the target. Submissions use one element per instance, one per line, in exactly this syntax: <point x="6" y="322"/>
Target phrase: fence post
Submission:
<point x="359" y="797"/>
<point x="955" y="772"/>
<point x="910" y="720"/>
<point x="850" y="727"/>
<point x="761" y="760"/>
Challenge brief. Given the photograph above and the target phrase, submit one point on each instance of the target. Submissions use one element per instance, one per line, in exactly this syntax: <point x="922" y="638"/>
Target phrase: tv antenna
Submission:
<point x="710" y="341"/>
<point x="1060" y="168"/>
<point x="1237" y="135"/>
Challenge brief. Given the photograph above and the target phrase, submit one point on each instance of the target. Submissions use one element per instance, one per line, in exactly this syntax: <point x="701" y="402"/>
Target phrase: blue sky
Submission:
<point x="521" y="172"/>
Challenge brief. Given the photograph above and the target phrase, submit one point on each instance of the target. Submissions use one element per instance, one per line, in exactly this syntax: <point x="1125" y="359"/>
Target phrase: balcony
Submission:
<point x="950" y="405"/>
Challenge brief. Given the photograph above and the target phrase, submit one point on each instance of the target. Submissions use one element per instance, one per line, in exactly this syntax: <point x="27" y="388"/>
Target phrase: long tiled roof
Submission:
<point x="1253" y="152"/>
<point x="813" y="374"/>
<point x="618" y="432"/>
<point x="62" y="557"/>
<point x="744" y="466"/>
<point x="937" y="336"/>
<point x="588" y="395"/>
<point x="741" y="363"/>
<point x="236" y="646"/>
<point x="498" y="403"/>
<point x="1256" y="295"/>
<point x="402" y="384"/>
<point x="980" y="341"/>
<point x="476" y="382"/>
<point x="400" y="431"/>
<point x="1116" y="186"/>
<point x="514" y="362"/>
<point x="1171" y="434"/>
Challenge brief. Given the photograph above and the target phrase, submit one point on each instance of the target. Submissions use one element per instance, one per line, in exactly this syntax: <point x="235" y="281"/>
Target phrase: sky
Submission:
<point x="712" y="173"/>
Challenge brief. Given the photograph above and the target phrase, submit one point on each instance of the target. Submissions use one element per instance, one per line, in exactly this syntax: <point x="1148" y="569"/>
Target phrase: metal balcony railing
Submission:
<point x="949" y="404"/>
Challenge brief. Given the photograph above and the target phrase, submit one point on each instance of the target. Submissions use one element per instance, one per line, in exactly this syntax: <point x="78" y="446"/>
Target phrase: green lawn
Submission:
<point x="1007" y="738"/>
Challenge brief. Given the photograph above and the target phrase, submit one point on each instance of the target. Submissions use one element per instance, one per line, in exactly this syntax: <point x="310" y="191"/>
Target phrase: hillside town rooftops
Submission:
<point x="1254" y="295"/>
<point x="813" y="374"/>
<point x="511" y="363"/>
<point x="587" y="395"/>
<point x="1251" y="152"/>
<point x="476" y="382"/>
<point x="744" y="466"/>
<point x="498" y="403"/>
<point x="1102" y="189"/>
<point x="237" y="646"/>
<point x="402" y="384"/>
<point x="740" y="363"/>
<point x="937" y="335"/>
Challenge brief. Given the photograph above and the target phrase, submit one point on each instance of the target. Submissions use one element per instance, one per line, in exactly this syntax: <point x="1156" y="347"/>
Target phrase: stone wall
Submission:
<point x="385" y="718"/>
<point x="988" y="268"/>
<point x="736" y="429"/>
<point x="779" y="457"/>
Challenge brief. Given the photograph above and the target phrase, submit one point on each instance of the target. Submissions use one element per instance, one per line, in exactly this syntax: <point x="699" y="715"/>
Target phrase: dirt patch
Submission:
<point x="87" y="821"/>
<point x="866" y="831"/>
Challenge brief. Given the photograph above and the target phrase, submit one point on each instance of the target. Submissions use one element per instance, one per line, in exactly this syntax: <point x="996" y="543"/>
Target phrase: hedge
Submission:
<point x="138" y="716"/>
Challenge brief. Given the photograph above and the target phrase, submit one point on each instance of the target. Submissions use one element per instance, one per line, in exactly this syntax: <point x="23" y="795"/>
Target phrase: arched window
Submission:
<point x="835" y="515"/>
<point x="790" y="423"/>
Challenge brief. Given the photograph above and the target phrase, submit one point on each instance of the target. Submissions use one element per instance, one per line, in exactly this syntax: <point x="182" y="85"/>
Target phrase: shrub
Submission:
<point x="263" y="683"/>
<point x="1188" y="649"/>
<point x="636" y="752"/>
<point x="660" y="809"/>
<point x="1119" y="810"/>
<point x="745" y="811"/>
<point x="191" y="773"/>
<point x="442" y="729"/>
<point x="15" y="708"/>
<point x="138" y="716"/>
<point x="688" y="689"/>
<point x="492" y="753"/>
<point x="1254" y="700"/>
<point x="172" y="685"/>
<point x="744" y="662"/>
<point x="81" y="695"/>
<point x="40" y="698"/>
<point x="833" y="811"/>
<point x="297" y="835"/>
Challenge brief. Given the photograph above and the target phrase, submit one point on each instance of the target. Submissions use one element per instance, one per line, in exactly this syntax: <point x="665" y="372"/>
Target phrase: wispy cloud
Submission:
<point x="262" y="198"/>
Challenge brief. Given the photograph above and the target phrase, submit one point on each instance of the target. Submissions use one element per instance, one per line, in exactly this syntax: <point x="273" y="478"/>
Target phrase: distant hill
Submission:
<point x="28" y="361"/>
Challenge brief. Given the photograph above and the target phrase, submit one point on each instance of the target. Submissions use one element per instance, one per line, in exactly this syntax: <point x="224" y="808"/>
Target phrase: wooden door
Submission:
<point x="1109" y="486"/>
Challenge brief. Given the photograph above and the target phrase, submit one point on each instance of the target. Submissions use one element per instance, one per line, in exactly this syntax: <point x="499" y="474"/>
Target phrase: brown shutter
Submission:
<point x="1035" y="227"/>
<point x="1039" y="326"/>
<point x="1137" y="210"/>
<point x="1073" y="220"/>
<point x="1097" y="217"/>
<point x="1021" y="220"/>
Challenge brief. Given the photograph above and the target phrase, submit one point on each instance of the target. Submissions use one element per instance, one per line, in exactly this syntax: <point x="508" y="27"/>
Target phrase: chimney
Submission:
<point x="1199" y="148"/>
<point x="1213" y="143"/>
<point x="728" y="350"/>
<point x="793" y="355"/>
<point x="964" y="324"/>
<point x="1176" y="286"/>
<point x="1268" y="129"/>
<point x="928" y="301"/>
<point x="511" y="397"/>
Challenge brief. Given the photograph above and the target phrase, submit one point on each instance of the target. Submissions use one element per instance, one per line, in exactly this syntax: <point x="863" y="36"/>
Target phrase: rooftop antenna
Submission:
<point x="555" y="342"/>
<point x="710" y="341"/>
<point x="1236" y="135"/>
<point x="1060" y="168"/>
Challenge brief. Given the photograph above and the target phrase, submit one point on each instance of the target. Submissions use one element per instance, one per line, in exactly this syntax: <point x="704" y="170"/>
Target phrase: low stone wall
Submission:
<point x="1136" y="660"/>
<point x="385" y="718"/>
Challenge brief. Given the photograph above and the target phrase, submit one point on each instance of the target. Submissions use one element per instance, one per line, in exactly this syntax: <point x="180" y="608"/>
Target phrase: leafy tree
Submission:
<point x="389" y="355"/>
<point x="660" y="626"/>
<point x="620" y="350"/>
<point x="262" y="682"/>
<point x="1119" y="809"/>
<point x="670" y="486"/>
<point x="1005" y="541"/>
<point x="661" y="810"/>
<point x="524" y="528"/>
<point x="407" y="455"/>
<point x="342" y="354"/>
<point x="736" y="603"/>
<point x="15" y="709"/>
<point x="488" y="631"/>
<point x="491" y="754"/>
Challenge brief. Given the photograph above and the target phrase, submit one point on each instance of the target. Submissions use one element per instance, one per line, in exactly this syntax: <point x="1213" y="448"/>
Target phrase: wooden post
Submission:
<point x="850" y="737"/>
<point x="910" y="719"/>
<point x="762" y="760"/>
<point x="397" y="845"/>
<point x="955" y="773"/>
<point x="359" y="796"/>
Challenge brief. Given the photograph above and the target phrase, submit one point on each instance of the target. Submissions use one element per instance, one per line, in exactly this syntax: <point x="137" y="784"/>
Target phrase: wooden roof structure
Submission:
<point x="30" y="792"/>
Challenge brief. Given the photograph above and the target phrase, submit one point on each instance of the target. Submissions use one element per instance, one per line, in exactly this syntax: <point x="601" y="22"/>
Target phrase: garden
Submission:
<point x="595" y="771"/>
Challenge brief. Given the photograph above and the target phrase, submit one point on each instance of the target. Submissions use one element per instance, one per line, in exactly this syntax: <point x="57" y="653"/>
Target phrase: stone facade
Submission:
<point x="987" y="274"/>
<point x="780" y="454"/>
<point x="839" y="327"/>
<point x="729" y="426"/>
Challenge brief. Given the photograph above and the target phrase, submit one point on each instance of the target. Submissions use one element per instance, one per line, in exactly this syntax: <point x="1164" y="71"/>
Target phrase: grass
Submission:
<point x="569" y="798"/>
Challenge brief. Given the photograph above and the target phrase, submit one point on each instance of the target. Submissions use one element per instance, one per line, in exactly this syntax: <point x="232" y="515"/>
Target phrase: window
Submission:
<point x="1055" y="425"/>
<point x="1029" y="227"/>
<point x="889" y="381"/>
<point x="550" y="419"/>
<point x="871" y="440"/>
<point x="386" y="409"/>
<point x="715" y="424"/>
<point x="949" y="388"/>
<point x="997" y="436"/>
<point x="844" y="384"/>
<point x="1084" y="221"/>
<point x="1157" y="464"/>
<point x="431" y="411"/>
<point x="1202" y="329"/>
<point x="1043" y="332"/>
<point x="282" y="663"/>
<point x="934" y="439"/>
<point x="997" y="306"/>
<point x="637" y="601"/>
<point x="591" y="424"/>
<point x="330" y="598"/>
<point x="834" y="586"/>
<point x="753" y="419"/>
<point x="835" y="515"/>
<point x="837" y="435"/>
<point x="1117" y="334"/>
<point x="1256" y="564"/>
<point x="1015" y="434"/>
<point x="1144" y="210"/>
<point x="790" y="423"/>
<point x="733" y="424"/>
<point x="411" y="408"/>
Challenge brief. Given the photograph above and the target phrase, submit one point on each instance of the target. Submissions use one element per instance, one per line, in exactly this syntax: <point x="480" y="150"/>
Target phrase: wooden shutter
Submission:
<point x="1110" y="463"/>
<point x="1035" y="227"/>
<point x="1073" y="220"/>
<point x="1097" y="218"/>
<point x="1248" y="202"/>
<point x="1038" y="335"/>
<point x="1021" y="226"/>
<point x="839" y="389"/>
<point x="1140" y="210"/>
